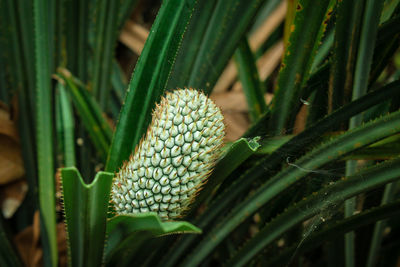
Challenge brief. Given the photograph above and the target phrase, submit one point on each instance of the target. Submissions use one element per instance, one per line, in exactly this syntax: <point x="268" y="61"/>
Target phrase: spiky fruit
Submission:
<point x="174" y="159"/>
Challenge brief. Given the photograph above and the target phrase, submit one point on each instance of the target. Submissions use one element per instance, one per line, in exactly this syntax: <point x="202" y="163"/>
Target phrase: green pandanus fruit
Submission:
<point x="174" y="159"/>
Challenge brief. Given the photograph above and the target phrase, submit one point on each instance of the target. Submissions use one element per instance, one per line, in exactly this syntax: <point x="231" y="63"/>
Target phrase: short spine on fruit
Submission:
<point x="174" y="159"/>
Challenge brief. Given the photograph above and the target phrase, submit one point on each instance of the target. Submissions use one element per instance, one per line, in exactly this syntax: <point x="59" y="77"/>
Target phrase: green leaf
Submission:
<point x="294" y="146"/>
<point x="107" y="24"/>
<point x="377" y="151"/>
<point x="377" y="235"/>
<point x="150" y="78"/>
<point x="306" y="32"/>
<point x="265" y="10"/>
<point x="325" y="153"/>
<point x="118" y="81"/>
<point x="365" y="52"/>
<point x="330" y="197"/>
<point x="235" y="155"/>
<point x="335" y="229"/>
<point x="269" y="145"/>
<point x="86" y="208"/>
<point x="44" y="129"/>
<point x="8" y="253"/>
<point x="191" y="44"/>
<point x="310" y="136"/>
<point x="77" y="35"/>
<point x="347" y="32"/>
<point x="128" y="232"/>
<point x="67" y="126"/>
<point x="91" y="115"/>
<point x="387" y="42"/>
<point x="323" y="51"/>
<point x="17" y="79"/>
<point x="371" y="16"/>
<point x="388" y="8"/>
<point x="23" y="13"/>
<point x="248" y="75"/>
<point x="210" y="42"/>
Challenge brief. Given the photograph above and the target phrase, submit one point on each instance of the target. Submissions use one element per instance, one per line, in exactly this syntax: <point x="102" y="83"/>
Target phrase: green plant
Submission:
<point x="318" y="162"/>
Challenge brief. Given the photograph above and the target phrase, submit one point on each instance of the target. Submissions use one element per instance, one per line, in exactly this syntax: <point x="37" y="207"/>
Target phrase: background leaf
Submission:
<point x="331" y="195"/>
<point x="308" y="27"/>
<point x="214" y="41"/>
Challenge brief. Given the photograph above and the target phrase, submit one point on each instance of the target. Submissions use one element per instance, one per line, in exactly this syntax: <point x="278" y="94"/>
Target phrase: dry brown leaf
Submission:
<point x="62" y="245"/>
<point x="236" y="125"/>
<point x="229" y="75"/>
<point x="301" y="120"/>
<point x="267" y="63"/>
<point x="234" y="108"/>
<point x="11" y="164"/>
<point x="136" y="29"/>
<point x="134" y="36"/>
<point x="28" y="244"/>
<point x="230" y="101"/>
<point x="11" y="197"/>
<point x="268" y="27"/>
<point x="270" y="60"/>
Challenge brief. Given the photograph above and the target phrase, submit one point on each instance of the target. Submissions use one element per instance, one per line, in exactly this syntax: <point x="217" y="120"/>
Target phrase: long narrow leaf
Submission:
<point x="333" y="230"/>
<point x="248" y="75"/>
<point x="347" y="32"/>
<point x="292" y="147"/>
<point x="220" y="40"/>
<point x="306" y="32"/>
<point x="67" y="127"/>
<point x="106" y="37"/>
<point x="10" y="48"/>
<point x="368" y="34"/>
<point x="330" y="196"/>
<point x="8" y="253"/>
<point x="235" y="155"/>
<point x="44" y="130"/>
<point x="191" y="44"/>
<point x="377" y="235"/>
<point x="324" y="154"/>
<point x="150" y="78"/>
<point x="86" y="208"/>
<point x="91" y="115"/>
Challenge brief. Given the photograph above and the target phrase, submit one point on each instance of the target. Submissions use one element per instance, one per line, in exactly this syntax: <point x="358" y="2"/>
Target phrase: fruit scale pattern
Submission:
<point x="174" y="159"/>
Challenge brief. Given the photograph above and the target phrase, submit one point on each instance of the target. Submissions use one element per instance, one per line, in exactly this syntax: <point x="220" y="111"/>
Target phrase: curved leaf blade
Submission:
<point x="86" y="208"/>
<point x="44" y="127"/>
<point x="338" y="228"/>
<point x="250" y="80"/>
<point x="90" y="113"/>
<point x="335" y="149"/>
<point x="220" y="40"/>
<point x="294" y="146"/>
<point x="128" y="232"/>
<point x="331" y="196"/>
<point x="150" y="78"/>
